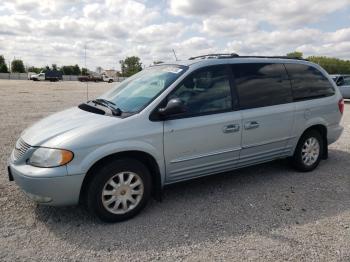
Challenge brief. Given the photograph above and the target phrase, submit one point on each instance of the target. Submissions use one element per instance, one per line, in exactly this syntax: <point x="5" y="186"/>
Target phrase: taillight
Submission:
<point x="341" y="105"/>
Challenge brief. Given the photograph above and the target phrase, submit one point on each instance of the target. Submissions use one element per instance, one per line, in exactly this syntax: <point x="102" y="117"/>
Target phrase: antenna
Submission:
<point x="87" y="82"/>
<point x="175" y="55"/>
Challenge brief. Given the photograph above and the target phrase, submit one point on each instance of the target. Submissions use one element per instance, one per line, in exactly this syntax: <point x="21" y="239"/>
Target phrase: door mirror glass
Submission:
<point x="173" y="107"/>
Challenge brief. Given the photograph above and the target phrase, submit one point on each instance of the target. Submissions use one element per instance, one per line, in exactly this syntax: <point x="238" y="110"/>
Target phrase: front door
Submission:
<point x="206" y="139"/>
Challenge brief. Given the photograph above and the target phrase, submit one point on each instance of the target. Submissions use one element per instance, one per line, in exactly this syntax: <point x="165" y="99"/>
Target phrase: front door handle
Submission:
<point x="231" y="128"/>
<point x="251" y="125"/>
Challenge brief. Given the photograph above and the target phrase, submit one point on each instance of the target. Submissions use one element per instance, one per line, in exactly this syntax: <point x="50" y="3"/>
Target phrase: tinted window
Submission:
<point x="308" y="82"/>
<point x="205" y="91"/>
<point x="344" y="81"/>
<point x="261" y="85"/>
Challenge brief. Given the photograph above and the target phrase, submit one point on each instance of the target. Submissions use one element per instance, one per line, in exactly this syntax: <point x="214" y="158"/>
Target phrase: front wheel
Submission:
<point x="119" y="190"/>
<point x="308" y="152"/>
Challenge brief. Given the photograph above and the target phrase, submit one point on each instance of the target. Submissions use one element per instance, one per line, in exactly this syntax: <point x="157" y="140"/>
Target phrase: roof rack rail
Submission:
<point x="280" y="57"/>
<point x="234" y="55"/>
<point x="209" y="56"/>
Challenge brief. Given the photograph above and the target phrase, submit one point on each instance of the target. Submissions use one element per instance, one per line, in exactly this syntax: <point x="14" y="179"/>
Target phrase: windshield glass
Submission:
<point x="136" y="92"/>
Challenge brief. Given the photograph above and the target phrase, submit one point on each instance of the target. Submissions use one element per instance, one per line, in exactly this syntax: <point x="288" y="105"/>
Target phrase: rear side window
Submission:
<point x="308" y="82"/>
<point x="261" y="84"/>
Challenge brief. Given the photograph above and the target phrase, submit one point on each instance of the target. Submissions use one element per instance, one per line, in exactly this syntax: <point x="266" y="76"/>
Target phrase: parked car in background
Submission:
<point x="177" y="121"/>
<point x="343" y="83"/>
<point x="49" y="75"/>
<point x="90" y="78"/>
<point x="96" y="78"/>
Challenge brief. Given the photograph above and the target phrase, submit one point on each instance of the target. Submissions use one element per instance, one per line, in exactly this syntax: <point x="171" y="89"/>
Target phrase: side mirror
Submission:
<point x="174" y="107"/>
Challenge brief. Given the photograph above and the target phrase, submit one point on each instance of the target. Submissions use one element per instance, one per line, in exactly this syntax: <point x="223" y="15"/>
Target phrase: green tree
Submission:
<point x="76" y="70"/>
<point x="332" y="65"/>
<point x="295" y="54"/>
<point x="35" y="69"/>
<point x="84" y="71"/>
<point x="3" y="66"/>
<point x="130" y="65"/>
<point x="17" y="66"/>
<point x="2" y="60"/>
<point x="70" y="70"/>
<point x="54" y="67"/>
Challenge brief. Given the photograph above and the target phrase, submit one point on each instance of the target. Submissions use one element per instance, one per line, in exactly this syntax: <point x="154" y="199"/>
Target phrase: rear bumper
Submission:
<point x="40" y="186"/>
<point x="333" y="133"/>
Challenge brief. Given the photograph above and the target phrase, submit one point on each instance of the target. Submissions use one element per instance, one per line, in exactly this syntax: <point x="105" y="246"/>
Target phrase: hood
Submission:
<point x="61" y="128"/>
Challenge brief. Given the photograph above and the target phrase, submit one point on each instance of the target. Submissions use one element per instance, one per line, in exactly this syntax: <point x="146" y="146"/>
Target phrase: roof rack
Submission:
<point x="234" y="55"/>
<point x="218" y="56"/>
<point x="280" y="57"/>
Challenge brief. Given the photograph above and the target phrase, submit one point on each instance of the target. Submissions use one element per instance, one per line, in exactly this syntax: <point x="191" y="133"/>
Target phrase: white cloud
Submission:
<point x="44" y="31"/>
<point x="159" y="32"/>
<point x="228" y="27"/>
<point x="279" y="13"/>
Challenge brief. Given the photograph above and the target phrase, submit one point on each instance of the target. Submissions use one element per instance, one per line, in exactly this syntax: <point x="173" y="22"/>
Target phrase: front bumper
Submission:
<point x="48" y="186"/>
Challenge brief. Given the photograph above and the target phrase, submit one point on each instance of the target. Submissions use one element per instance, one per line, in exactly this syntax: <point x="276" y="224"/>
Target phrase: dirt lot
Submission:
<point x="267" y="212"/>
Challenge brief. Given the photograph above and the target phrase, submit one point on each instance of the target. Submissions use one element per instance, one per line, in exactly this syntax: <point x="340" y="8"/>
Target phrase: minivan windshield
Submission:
<point x="136" y="92"/>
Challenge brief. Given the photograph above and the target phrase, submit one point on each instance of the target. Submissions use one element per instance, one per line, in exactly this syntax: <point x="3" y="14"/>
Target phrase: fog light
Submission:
<point x="39" y="199"/>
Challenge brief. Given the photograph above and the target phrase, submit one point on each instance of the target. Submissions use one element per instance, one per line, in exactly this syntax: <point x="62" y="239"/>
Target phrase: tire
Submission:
<point x="104" y="206"/>
<point x="306" y="158"/>
<point x="110" y="81"/>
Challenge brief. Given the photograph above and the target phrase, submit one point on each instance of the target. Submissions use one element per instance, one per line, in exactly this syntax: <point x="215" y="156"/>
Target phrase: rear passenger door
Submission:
<point x="265" y="98"/>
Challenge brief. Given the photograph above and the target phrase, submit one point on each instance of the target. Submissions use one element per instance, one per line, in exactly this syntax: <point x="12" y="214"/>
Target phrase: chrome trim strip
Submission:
<point x="183" y="159"/>
<point x="215" y="164"/>
<point x="266" y="152"/>
<point x="268" y="142"/>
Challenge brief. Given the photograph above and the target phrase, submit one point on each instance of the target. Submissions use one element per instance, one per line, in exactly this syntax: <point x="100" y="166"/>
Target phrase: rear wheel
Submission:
<point x="308" y="152"/>
<point x="119" y="190"/>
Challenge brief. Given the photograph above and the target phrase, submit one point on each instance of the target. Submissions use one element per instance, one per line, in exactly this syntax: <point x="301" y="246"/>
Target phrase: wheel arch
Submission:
<point x="322" y="129"/>
<point x="142" y="156"/>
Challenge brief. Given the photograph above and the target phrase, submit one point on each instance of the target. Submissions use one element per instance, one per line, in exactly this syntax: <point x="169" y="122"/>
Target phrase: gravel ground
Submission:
<point x="267" y="212"/>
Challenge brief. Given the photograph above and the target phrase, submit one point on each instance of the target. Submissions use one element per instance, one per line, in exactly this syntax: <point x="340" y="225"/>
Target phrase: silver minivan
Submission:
<point x="177" y="121"/>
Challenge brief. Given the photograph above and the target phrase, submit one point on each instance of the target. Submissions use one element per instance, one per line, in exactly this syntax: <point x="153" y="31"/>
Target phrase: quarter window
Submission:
<point x="261" y="84"/>
<point x="205" y="91"/>
<point x="308" y="82"/>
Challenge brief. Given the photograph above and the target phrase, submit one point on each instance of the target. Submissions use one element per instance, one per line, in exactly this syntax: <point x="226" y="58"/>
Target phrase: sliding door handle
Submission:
<point x="251" y="125"/>
<point x="231" y="128"/>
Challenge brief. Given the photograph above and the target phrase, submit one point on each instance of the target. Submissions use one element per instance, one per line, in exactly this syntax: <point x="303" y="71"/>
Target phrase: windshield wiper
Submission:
<point x="102" y="100"/>
<point x="109" y="105"/>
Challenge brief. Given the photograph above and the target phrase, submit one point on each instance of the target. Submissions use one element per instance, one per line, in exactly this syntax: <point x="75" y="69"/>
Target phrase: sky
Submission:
<point x="59" y="32"/>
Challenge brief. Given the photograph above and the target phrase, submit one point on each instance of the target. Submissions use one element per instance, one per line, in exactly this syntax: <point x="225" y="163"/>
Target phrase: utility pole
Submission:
<point x="87" y="82"/>
<point x="175" y="54"/>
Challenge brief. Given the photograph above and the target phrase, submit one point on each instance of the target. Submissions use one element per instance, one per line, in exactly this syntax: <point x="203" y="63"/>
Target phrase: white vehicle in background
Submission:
<point x="30" y="74"/>
<point x="38" y="77"/>
<point x="343" y="83"/>
<point x="106" y="78"/>
<point x="49" y="75"/>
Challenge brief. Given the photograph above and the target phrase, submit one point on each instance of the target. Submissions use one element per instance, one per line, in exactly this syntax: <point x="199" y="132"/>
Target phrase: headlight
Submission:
<point x="50" y="157"/>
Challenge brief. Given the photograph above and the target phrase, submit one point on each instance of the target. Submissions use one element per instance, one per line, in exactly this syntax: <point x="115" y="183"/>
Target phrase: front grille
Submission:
<point x="20" y="149"/>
